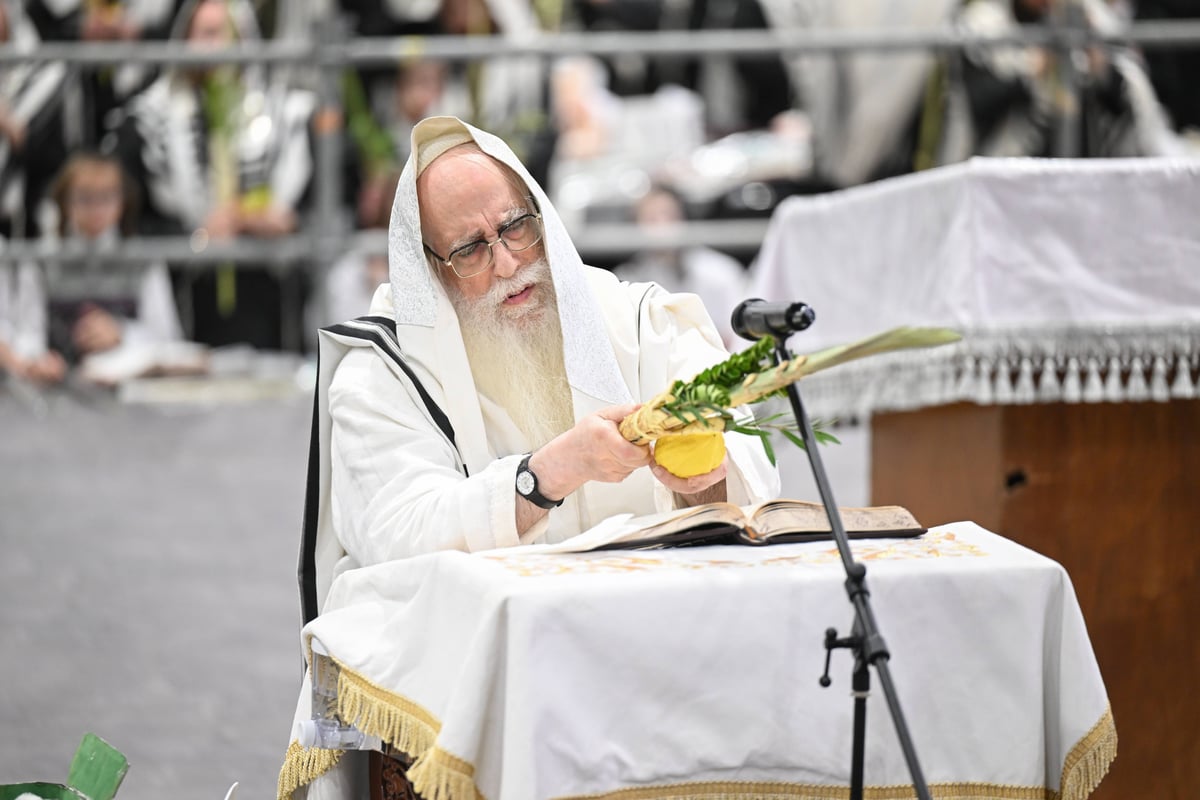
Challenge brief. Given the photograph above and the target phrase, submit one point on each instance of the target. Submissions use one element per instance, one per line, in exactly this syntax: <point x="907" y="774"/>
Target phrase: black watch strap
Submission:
<point x="527" y="486"/>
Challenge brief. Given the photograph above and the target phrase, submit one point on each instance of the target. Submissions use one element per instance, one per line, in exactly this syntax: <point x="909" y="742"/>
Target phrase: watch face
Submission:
<point x="525" y="482"/>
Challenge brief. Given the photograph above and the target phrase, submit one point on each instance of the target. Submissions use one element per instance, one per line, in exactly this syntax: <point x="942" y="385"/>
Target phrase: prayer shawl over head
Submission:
<point x="391" y="484"/>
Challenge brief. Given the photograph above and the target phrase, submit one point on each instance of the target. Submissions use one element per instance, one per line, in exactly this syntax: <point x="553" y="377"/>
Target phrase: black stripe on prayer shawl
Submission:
<point x="380" y="331"/>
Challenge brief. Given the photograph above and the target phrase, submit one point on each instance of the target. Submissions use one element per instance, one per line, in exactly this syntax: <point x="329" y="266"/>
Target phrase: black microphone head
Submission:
<point x="738" y="321"/>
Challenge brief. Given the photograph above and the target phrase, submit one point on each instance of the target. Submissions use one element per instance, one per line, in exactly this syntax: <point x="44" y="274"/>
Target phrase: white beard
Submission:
<point x="516" y="352"/>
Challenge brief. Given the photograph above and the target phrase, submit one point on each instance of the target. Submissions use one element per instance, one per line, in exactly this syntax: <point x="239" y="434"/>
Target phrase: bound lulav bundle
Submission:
<point x="688" y="421"/>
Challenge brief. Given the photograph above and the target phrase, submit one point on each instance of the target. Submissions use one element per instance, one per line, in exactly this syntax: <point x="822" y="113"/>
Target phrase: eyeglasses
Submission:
<point x="471" y="259"/>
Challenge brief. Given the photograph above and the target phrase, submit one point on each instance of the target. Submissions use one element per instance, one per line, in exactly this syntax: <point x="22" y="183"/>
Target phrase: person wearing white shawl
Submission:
<point x="538" y="354"/>
<point x="486" y="349"/>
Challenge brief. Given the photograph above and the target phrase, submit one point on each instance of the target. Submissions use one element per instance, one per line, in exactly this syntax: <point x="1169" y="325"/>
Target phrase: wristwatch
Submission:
<point x="527" y="486"/>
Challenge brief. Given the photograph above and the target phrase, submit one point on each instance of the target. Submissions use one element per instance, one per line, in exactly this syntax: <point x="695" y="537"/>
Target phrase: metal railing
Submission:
<point x="329" y="53"/>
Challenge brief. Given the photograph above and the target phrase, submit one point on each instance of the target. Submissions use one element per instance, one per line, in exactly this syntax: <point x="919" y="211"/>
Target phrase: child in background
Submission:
<point x="63" y="313"/>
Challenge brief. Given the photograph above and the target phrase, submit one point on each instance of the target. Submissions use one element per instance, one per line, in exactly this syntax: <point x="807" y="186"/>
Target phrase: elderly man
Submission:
<point x="494" y="421"/>
<point x="530" y="359"/>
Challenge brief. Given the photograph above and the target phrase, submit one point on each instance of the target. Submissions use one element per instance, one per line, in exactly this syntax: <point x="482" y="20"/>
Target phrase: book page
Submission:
<point x="629" y="528"/>
<point x="797" y="516"/>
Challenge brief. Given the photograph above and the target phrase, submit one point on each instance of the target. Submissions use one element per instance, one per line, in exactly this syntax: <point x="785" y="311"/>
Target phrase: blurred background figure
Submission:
<point x="607" y="147"/>
<point x="93" y="94"/>
<point x="1173" y="71"/>
<point x="59" y="315"/>
<point x="379" y="131"/>
<point x="738" y="92"/>
<point x="30" y="111"/>
<point x="353" y="279"/>
<point x="1014" y="101"/>
<point x="718" y="279"/>
<point x="504" y="94"/>
<point x="223" y="152"/>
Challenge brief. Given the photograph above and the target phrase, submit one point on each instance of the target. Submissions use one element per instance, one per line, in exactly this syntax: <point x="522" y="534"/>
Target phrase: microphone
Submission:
<point x="758" y="319"/>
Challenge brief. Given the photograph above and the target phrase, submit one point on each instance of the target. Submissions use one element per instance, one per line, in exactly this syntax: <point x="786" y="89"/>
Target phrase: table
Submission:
<point x="692" y="672"/>
<point x="1068" y="417"/>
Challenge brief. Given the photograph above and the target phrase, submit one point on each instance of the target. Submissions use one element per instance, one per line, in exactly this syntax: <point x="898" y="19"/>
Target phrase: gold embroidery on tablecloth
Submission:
<point x="938" y="544"/>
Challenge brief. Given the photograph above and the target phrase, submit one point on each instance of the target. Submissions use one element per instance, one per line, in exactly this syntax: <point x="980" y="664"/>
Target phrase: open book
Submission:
<point x="771" y="522"/>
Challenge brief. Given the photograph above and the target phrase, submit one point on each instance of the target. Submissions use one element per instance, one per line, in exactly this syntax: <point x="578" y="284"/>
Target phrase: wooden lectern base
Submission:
<point x="1111" y="492"/>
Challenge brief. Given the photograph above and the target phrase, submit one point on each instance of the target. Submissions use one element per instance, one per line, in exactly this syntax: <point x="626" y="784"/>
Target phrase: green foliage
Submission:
<point x="712" y="386"/>
<point x="374" y="144"/>
<point x="220" y="95"/>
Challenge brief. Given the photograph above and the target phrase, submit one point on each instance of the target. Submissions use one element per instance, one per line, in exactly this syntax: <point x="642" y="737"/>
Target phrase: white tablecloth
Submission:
<point x="693" y="672"/>
<point x="1038" y="261"/>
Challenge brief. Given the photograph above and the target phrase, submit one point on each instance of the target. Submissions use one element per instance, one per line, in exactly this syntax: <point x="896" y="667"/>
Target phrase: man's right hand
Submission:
<point x="592" y="450"/>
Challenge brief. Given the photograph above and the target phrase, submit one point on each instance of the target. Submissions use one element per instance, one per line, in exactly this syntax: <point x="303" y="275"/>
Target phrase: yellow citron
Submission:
<point x="688" y="454"/>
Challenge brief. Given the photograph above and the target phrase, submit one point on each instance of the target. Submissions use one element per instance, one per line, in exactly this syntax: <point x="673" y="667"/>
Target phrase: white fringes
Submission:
<point x="965" y="388"/>
<point x="1049" y="389"/>
<point x="1137" y="391"/>
<point x="984" y="395"/>
<point x="1182" y="387"/>
<point x="1004" y="387"/>
<point x="1093" y="384"/>
<point x="1114" y="392"/>
<point x="1072" y="390"/>
<point x="1160" y="392"/>
<point x="947" y="382"/>
<point x="1024" y="392"/>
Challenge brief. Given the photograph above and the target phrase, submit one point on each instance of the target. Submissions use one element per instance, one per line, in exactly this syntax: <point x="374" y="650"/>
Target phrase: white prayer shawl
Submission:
<point x="26" y="90"/>
<point x="391" y="484"/>
<point x="272" y="136"/>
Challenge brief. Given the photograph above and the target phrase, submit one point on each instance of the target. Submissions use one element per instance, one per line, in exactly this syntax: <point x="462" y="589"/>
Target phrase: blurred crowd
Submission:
<point x="92" y="154"/>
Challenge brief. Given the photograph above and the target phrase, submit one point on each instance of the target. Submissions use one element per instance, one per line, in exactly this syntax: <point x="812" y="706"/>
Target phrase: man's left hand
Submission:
<point x="706" y="488"/>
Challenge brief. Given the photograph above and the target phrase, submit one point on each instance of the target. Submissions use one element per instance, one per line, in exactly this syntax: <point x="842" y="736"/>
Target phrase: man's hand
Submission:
<point x="96" y="331"/>
<point x="592" y="450"/>
<point x="698" y="489"/>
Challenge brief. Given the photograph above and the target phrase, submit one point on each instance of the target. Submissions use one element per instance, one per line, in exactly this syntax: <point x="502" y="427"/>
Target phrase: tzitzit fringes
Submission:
<point x="377" y="712"/>
<point x="1088" y="762"/>
<point x="302" y="765"/>
<point x="437" y="775"/>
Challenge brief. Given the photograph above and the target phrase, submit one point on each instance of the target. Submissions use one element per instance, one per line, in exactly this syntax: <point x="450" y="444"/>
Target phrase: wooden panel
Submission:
<point x="1110" y="492"/>
<point x="943" y="464"/>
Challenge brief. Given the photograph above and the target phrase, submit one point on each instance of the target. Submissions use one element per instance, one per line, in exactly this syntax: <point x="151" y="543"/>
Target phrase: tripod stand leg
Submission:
<point x="861" y="682"/>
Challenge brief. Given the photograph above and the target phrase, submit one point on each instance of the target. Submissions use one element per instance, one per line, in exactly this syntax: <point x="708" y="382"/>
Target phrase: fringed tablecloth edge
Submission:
<point x="1089" y="760"/>
<point x="303" y="765"/>
<point x="395" y="720"/>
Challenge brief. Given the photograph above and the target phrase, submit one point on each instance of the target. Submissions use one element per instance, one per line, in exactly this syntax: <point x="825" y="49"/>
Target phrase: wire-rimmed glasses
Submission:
<point x="473" y="258"/>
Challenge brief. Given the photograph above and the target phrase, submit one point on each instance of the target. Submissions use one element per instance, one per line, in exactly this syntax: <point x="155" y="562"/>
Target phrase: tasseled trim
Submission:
<point x="1088" y="762"/>
<point x="437" y="775"/>
<point x="377" y="712"/>
<point x="1084" y="364"/>
<point x="302" y="765"/>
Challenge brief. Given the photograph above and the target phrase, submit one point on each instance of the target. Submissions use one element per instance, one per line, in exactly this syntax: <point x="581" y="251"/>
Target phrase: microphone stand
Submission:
<point x="865" y="639"/>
